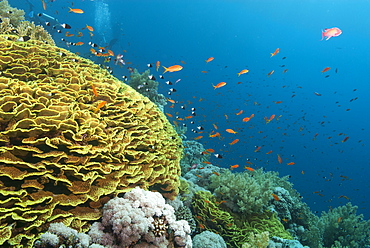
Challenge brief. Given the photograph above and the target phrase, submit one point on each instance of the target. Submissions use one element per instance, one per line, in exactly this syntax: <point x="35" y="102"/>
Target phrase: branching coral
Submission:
<point x="260" y="240"/>
<point x="213" y="216"/>
<point x="193" y="155"/>
<point x="341" y="227"/>
<point x="12" y="22"/>
<point x="15" y="15"/>
<point x="140" y="217"/>
<point x="147" y="87"/>
<point x="243" y="192"/>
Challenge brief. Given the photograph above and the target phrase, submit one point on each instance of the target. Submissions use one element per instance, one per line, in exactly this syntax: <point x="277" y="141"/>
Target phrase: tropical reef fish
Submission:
<point x="172" y="68"/>
<point x="210" y="59"/>
<point x="219" y="85"/>
<point x="276" y="52"/>
<point x="325" y="69"/>
<point x="77" y="11"/>
<point x="242" y="72"/>
<point x="331" y="32"/>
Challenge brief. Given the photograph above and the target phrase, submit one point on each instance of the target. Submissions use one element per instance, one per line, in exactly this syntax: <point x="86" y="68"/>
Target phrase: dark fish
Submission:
<point x="24" y="38"/>
<point x="161" y="77"/>
<point x="151" y="77"/>
<point x="327" y="76"/>
<point x="66" y="26"/>
<point x="317" y="94"/>
<point x="149" y="65"/>
<point x="169" y="82"/>
<point x="218" y="156"/>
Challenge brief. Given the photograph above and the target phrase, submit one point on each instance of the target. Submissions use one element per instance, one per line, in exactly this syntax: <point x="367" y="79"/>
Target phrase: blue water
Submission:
<point x="241" y="35"/>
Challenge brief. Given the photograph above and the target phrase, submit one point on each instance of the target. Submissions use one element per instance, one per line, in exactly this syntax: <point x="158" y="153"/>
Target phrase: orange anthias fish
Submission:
<point x="243" y="72"/>
<point x="325" y="69"/>
<point x="234" y="166"/>
<point x="330" y="32"/>
<point x="291" y="163"/>
<point x="157" y="65"/>
<point x="230" y="131"/>
<point x="270" y="73"/>
<point x="210" y="59"/>
<point x="43" y="4"/>
<point x="219" y="85"/>
<point x="276" y="197"/>
<point x="276" y="52"/>
<point x="258" y="148"/>
<point x="246" y="119"/>
<point x="100" y="105"/>
<point x="279" y="159"/>
<point x="77" y="11"/>
<point x="240" y="112"/>
<point x="172" y="68"/>
<point x="248" y="168"/>
<point x="91" y="29"/>
<point x="234" y="142"/>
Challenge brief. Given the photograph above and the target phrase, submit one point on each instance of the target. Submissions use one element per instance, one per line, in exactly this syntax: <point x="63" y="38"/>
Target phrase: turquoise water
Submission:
<point x="242" y="35"/>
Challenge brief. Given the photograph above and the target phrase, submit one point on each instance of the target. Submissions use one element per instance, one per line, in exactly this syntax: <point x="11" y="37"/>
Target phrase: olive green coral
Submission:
<point x="12" y="22"/>
<point x="61" y="157"/>
<point x="213" y="216"/>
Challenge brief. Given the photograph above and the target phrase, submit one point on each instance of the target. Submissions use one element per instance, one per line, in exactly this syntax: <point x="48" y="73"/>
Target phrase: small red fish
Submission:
<point x="276" y="197"/>
<point x="172" y="68"/>
<point x="325" y="69"/>
<point x="219" y="85"/>
<point x="242" y="72"/>
<point x="234" y="142"/>
<point x="279" y="159"/>
<point x="210" y="59"/>
<point x="248" y="168"/>
<point x="234" y="166"/>
<point x="345" y="139"/>
<point x="100" y="105"/>
<point x="276" y="52"/>
<point x="77" y="11"/>
<point x="330" y="32"/>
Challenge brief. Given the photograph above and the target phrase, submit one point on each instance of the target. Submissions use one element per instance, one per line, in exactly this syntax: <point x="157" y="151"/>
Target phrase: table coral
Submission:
<point x="61" y="158"/>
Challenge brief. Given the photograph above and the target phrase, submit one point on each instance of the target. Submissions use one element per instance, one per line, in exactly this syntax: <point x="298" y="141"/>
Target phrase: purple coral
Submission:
<point x="140" y="217"/>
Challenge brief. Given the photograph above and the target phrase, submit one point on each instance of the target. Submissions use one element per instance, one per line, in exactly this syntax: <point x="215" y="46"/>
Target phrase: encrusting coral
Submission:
<point x="62" y="153"/>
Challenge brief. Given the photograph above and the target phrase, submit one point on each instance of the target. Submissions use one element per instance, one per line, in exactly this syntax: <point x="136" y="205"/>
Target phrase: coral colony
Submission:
<point x="88" y="161"/>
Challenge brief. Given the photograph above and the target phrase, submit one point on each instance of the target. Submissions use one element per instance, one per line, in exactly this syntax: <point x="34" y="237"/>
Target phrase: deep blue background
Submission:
<point x="241" y="35"/>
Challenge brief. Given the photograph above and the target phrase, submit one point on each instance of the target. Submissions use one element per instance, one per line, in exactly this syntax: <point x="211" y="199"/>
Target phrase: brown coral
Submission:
<point x="59" y="160"/>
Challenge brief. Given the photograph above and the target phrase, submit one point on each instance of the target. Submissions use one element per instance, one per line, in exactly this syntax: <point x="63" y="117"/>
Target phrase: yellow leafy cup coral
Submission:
<point x="62" y="156"/>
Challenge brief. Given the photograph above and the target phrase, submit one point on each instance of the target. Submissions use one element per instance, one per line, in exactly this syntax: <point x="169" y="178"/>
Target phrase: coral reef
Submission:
<point x="340" y="227"/>
<point x="14" y="15"/>
<point x="208" y="239"/>
<point x="62" y="153"/>
<point x="140" y="217"/>
<point x="12" y="22"/>
<point x="193" y="156"/>
<point x="260" y="240"/>
<point x="247" y="192"/>
<point x="59" y="235"/>
<point x="213" y="216"/>
<point x="147" y="87"/>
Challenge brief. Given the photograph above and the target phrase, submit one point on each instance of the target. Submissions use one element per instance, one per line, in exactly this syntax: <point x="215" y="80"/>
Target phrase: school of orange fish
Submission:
<point x="177" y="119"/>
